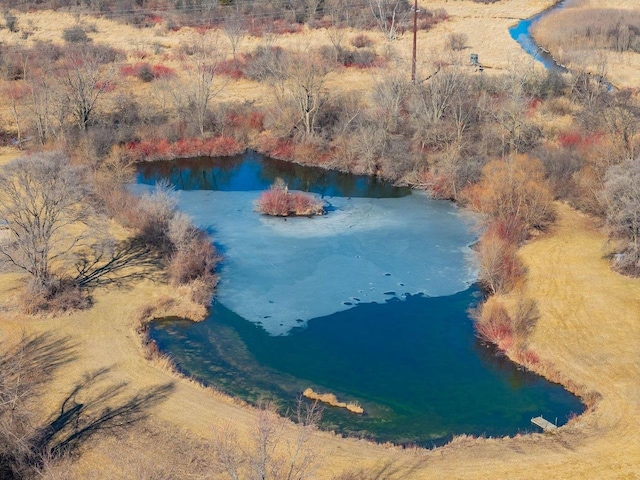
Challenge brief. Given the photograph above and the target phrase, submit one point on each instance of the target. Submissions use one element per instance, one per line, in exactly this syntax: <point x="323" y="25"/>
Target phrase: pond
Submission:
<point x="369" y="302"/>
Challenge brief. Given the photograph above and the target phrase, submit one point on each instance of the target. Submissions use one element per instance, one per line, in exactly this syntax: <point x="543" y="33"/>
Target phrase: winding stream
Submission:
<point x="521" y="33"/>
<point x="368" y="302"/>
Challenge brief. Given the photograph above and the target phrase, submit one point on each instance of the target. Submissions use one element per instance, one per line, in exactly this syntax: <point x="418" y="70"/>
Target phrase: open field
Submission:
<point x="486" y="27"/>
<point x="589" y="330"/>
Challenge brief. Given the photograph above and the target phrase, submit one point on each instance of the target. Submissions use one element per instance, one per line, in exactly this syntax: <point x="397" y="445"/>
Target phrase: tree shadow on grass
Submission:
<point x="128" y="261"/>
<point x="33" y="361"/>
<point x="95" y="405"/>
<point x="387" y="469"/>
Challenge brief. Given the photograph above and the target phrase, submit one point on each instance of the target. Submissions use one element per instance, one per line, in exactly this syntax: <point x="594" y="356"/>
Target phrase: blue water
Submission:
<point x="410" y="359"/>
<point x="521" y="33"/>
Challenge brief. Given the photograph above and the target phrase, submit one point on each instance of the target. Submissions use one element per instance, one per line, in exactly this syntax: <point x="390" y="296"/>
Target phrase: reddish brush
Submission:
<point x="493" y="324"/>
<point x="230" y="68"/>
<point x="162" y="71"/>
<point x="154" y="149"/>
<point x="279" y="202"/>
<point x="274" y="202"/>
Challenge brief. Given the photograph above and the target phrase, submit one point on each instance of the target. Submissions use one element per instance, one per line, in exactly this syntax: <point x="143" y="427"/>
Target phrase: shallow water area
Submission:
<point x="368" y="302"/>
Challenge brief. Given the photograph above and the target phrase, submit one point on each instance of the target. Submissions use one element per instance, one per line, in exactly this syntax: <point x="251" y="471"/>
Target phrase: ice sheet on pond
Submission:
<point x="282" y="272"/>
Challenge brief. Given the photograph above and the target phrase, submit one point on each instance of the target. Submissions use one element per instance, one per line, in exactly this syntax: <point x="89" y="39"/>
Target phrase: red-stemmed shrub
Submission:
<point x="160" y="149"/>
<point x="230" y="68"/>
<point x="493" y="325"/>
<point x="280" y="202"/>
<point x="147" y="72"/>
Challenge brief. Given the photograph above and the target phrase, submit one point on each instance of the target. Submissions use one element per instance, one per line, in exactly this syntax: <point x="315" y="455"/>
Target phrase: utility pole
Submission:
<point x="415" y="42"/>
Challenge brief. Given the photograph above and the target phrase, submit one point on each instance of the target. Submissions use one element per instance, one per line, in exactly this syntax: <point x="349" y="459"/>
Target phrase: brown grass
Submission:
<point x="7" y="154"/>
<point x="565" y="34"/>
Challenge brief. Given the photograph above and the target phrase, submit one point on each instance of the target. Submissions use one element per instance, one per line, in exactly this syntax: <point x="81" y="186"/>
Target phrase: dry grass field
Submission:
<point x="7" y="154"/>
<point x="621" y="68"/>
<point x="486" y="27"/>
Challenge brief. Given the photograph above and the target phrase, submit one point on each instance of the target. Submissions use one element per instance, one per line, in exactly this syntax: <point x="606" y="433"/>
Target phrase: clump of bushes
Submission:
<point x="362" y="41"/>
<point x="187" y="251"/>
<point x="280" y="202"/>
<point x="148" y="73"/>
<point x="509" y="333"/>
<point x="75" y="34"/>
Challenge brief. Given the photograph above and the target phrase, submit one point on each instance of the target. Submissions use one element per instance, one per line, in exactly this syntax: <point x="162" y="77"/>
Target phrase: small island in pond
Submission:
<point x="331" y="399"/>
<point x="278" y="201"/>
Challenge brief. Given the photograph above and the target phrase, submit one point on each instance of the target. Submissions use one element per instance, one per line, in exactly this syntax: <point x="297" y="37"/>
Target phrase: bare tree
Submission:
<point x="621" y="196"/>
<point x="236" y="30"/>
<point x="194" y="92"/>
<point x="388" y="15"/>
<point x="389" y="96"/>
<point x="306" y="82"/>
<point x="14" y="93"/>
<point x="509" y="113"/>
<point x="297" y="83"/>
<point x="46" y="108"/>
<point x="42" y="197"/>
<point x="85" y="75"/>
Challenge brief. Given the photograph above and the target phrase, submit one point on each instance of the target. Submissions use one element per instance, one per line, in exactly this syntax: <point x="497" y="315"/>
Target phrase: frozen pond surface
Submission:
<point x="280" y="273"/>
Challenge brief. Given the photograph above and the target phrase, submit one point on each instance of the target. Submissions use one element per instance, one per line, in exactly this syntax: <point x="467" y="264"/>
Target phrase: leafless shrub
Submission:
<point x="156" y="210"/>
<point x="457" y="41"/>
<point x="271" y="453"/>
<point x="621" y="197"/>
<point x="516" y="194"/>
<point x="59" y="297"/>
<point x="493" y="324"/>
<point x="500" y="268"/>
<point x="10" y="21"/>
<point x="75" y="34"/>
<point x="525" y="317"/>
<point x="193" y="260"/>
<point x="279" y="201"/>
<point x="362" y="41"/>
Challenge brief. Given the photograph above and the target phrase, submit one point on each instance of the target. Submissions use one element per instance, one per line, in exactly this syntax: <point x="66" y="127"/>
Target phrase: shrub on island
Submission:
<point x="280" y="202"/>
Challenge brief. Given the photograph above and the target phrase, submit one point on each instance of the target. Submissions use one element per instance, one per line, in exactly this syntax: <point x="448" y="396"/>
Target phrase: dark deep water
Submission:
<point x="412" y="362"/>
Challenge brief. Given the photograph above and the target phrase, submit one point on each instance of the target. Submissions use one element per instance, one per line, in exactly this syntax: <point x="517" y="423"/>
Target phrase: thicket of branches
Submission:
<point x="575" y="30"/>
<point x="393" y="17"/>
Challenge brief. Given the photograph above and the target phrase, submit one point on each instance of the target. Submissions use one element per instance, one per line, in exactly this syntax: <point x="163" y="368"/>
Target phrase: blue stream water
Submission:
<point x="521" y="33"/>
